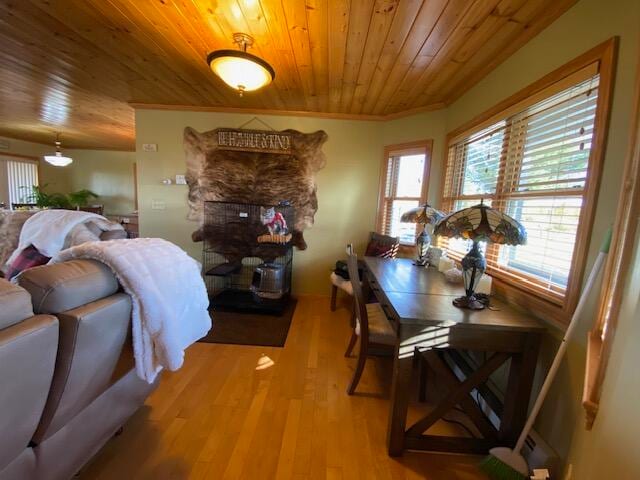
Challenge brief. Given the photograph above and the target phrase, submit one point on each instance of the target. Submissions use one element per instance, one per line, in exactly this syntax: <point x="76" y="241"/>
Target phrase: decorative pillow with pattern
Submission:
<point x="11" y="223"/>
<point x="29" y="257"/>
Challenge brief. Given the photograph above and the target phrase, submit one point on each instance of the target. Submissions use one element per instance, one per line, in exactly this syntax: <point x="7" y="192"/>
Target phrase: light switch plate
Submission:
<point x="158" y="205"/>
<point x="181" y="180"/>
<point x="150" y="147"/>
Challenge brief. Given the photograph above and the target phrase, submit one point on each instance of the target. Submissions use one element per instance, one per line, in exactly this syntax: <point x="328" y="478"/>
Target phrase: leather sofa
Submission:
<point x="66" y="369"/>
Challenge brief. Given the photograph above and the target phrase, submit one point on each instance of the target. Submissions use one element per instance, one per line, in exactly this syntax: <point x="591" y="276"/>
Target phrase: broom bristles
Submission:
<point x="496" y="469"/>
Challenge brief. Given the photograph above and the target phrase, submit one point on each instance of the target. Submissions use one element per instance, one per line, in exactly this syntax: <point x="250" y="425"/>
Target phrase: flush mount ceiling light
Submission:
<point x="241" y="70"/>
<point x="57" y="159"/>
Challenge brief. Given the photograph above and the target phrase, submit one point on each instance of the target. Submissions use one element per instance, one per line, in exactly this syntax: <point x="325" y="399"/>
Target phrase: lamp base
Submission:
<point x="421" y="262"/>
<point x="474" y="302"/>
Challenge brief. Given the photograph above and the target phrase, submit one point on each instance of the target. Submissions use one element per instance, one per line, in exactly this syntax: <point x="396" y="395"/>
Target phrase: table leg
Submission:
<point x="334" y="295"/>
<point x="518" y="392"/>
<point x="403" y="365"/>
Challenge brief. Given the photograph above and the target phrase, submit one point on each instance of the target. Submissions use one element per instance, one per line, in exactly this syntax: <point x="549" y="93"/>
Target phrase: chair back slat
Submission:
<point x="358" y="296"/>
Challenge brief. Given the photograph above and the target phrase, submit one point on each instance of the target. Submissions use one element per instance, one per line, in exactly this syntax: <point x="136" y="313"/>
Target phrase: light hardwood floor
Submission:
<point x="230" y="413"/>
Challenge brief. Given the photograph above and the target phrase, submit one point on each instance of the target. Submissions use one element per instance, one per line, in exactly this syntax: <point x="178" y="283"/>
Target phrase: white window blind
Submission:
<point x="403" y="189"/>
<point x="533" y="165"/>
<point x="22" y="176"/>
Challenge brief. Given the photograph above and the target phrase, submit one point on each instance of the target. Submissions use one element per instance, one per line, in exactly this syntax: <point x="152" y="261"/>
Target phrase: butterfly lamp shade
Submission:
<point x="479" y="223"/>
<point x="424" y="214"/>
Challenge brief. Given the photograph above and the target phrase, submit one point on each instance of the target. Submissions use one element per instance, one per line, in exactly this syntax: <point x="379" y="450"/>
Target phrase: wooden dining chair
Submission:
<point x="379" y="245"/>
<point x="371" y="325"/>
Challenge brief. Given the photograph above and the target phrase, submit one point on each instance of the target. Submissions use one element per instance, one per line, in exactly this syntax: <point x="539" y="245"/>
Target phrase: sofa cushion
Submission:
<point x="91" y="342"/>
<point x="62" y="286"/>
<point x="27" y="359"/>
<point x="15" y="304"/>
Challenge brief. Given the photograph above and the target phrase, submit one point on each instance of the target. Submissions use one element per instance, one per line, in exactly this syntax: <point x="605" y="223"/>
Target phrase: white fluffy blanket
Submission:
<point x="170" y="302"/>
<point x="48" y="229"/>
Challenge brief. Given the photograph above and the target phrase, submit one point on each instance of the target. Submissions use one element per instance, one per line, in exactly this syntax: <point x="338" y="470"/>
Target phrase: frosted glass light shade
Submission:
<point x="241" y="70"/>
<point x="58" y="160"/>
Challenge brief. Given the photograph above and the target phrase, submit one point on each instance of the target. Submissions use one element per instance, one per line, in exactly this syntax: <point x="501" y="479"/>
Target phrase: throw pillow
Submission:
<point x="29" y="257"/>
<point x="10" y="226"/>
<point x="376" y="249"/>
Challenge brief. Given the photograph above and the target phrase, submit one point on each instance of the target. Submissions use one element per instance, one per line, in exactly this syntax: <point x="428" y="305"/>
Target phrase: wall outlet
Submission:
<point x="158" y="205"/>
<point x="149" y="147"/>
<point x="181" y="180"/>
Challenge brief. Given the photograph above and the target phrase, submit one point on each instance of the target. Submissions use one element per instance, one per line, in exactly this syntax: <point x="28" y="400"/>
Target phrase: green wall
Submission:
<point x="347" y="186"/>
<point x="609" y="451"/>
<point x="107" y="173"/>
<point x="55" y="177"/>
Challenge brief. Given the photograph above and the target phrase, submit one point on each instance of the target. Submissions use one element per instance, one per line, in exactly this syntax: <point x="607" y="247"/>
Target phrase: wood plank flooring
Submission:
<point x="243" y="412"/>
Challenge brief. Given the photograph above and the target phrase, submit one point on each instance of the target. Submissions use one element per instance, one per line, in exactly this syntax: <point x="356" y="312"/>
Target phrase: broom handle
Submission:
<point x="604" y="249"/>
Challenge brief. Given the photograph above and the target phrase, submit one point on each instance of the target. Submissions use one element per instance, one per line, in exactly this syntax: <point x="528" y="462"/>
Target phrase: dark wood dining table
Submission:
<point x="418" y="301"/>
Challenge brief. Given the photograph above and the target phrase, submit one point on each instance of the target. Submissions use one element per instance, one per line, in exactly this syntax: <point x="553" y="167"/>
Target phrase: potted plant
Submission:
<point x="42" y="199"/>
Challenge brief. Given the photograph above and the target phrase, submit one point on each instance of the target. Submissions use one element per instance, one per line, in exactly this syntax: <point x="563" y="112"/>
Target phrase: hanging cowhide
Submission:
<point x="215" y="172"/>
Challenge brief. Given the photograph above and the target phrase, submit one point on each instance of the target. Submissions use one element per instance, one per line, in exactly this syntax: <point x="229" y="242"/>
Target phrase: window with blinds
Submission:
<point x="21" y="176"/>
<point x="532" y="164"/>
<point x="403" y="187"/>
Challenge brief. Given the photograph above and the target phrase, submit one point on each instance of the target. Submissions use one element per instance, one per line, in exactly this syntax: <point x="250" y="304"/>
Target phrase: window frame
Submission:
<point x="410" y="148"/>
<point x="530" y="294"/>
<point x="17" y="157"/>
<point x="617" y="271"/>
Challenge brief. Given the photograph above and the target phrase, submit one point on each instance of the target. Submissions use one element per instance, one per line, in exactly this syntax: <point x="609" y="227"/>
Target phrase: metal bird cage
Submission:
<point x="245" y="266"/>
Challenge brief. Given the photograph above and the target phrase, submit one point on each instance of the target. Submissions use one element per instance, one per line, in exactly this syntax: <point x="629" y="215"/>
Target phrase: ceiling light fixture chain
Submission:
<point x="240" y="69"/>
<point x="57" y="159"/>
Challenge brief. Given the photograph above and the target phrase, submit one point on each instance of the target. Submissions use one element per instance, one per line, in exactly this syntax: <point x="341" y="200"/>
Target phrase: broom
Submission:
<point x="504" y="463"/>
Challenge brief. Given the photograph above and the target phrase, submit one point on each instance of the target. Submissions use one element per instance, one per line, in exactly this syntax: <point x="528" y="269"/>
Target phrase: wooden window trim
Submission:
<point x="24" y="158"/>
<point x="600" y="339"/>
<point x="409" y="148"/>
<point x="604" y="55"/>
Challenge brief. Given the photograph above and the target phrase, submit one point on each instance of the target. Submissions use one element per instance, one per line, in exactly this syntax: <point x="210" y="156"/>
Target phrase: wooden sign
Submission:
<point x="253" y="140"/>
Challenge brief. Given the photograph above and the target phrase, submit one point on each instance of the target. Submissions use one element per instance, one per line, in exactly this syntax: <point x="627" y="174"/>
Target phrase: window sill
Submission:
<point x="550" y="312"/>
<point x="542" y="304"/>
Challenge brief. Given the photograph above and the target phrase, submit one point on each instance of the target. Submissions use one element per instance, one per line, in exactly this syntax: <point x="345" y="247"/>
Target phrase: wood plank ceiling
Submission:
<point x="75" y="66"/>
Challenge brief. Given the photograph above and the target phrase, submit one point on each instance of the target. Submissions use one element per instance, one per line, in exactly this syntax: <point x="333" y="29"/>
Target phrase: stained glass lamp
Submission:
<point x="424" y="214"/>
<point x="479" y="223"/>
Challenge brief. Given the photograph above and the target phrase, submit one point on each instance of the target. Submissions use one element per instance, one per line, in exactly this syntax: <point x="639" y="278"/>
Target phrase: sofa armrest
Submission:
<point x="92" y="337"/>
<point x="27" y="358"/>
<point x="65" y="286"/>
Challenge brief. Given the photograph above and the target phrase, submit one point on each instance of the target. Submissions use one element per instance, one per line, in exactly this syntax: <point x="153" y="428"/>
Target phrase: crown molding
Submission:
<point x="290" y="113"/>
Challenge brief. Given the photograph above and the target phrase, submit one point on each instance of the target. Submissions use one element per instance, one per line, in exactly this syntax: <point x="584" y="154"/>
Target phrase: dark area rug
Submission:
<point x="250" y="328"/>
